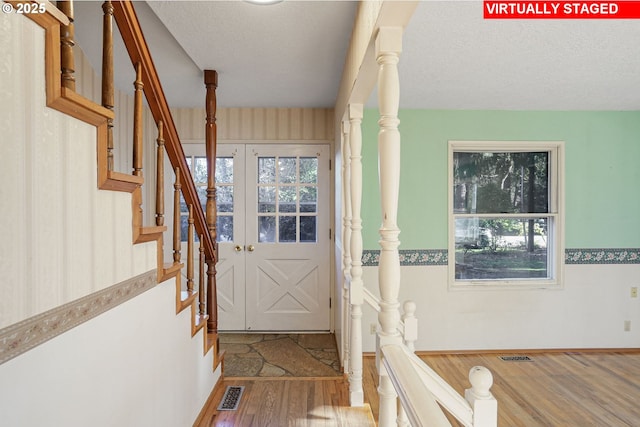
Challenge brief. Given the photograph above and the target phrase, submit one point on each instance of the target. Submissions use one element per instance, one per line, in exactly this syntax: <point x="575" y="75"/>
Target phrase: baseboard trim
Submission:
<point x="23" y="336"/>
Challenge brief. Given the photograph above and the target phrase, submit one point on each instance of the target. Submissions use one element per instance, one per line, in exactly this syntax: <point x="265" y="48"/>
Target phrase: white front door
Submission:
<point x="273" y="236"/>
<point x="287" y="238"/>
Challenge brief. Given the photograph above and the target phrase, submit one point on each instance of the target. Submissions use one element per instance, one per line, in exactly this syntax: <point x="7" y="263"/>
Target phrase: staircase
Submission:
<point x="120" y="191"/>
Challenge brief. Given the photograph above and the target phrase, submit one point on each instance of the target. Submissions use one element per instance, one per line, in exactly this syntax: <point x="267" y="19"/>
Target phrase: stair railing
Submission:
<point x="204" y="225"/>
<point x="148" y="83"/>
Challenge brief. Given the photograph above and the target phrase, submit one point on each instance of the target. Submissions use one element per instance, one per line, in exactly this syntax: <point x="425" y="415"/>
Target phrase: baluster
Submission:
<point x="346" y="243"/>
<point x="201" y="295"/>
<point x="176" y="217"/>
<point x="107" y="74"/>
<point x="137" y="122"/>
<point x="211" y="83"/>
<point x="410" y="328"/>
<point x="190" y="245"/>
<point x="388" y="46"/>
<point x="160" y="176"/>
<point x="356" y="296"/>
<point x="410" y="323"/>
<point x="67" y="42"/>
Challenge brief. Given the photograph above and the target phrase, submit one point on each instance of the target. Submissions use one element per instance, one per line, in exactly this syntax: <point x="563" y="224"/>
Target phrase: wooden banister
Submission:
<point x="129" y="26"/>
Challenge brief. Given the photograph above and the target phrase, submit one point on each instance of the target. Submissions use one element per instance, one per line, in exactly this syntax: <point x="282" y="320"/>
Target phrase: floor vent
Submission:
<point x="231" y="398"/>
<point x="515" y="358"/>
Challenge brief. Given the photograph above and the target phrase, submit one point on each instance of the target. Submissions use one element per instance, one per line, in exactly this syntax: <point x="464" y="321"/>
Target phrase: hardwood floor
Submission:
<point x="554" y="389"/>
<point x="572" y="389"/>
<point x="278" y="402"/>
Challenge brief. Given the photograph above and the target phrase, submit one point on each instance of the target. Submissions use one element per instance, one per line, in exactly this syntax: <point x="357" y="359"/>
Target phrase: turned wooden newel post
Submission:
<point x="107" y="74"/>
<point x="211" y="83"/>
<point x="67" y="42"/>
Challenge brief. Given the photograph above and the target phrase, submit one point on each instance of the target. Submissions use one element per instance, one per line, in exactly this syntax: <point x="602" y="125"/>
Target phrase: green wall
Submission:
<point x="602" y="171"/>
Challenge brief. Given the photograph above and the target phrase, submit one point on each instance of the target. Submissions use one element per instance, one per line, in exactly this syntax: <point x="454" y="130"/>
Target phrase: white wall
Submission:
<point x="63" y="237"/>
<point x="588" y="313"/>
<point x="135" y="365"/>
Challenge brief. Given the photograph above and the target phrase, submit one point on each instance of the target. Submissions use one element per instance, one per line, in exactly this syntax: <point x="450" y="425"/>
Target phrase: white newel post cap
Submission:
<point x="481" y="381"/>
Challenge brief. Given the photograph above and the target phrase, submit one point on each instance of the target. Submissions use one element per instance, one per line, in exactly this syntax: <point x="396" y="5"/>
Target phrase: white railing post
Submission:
<point x="387" y="49"/>
<point x="346" y="243"/>
<point x="484" y="405"/>
<point x="356" y="394"/>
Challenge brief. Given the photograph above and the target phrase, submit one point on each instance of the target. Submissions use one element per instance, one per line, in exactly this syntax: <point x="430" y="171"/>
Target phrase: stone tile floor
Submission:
<point x="279" y="355"/>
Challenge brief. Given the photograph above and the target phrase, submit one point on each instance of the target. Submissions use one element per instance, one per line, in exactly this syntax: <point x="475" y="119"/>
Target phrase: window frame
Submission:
<point x="555" y="213"/>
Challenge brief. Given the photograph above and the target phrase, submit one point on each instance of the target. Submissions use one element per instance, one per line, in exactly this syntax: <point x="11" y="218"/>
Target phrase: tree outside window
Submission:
<point x="504" y="222"/>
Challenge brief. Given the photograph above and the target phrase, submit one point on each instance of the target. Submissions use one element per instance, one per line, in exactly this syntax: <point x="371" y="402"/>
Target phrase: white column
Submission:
<point x="346" y="243"/>
<point x="388" y="48"/>
<point x="356" y="295"/>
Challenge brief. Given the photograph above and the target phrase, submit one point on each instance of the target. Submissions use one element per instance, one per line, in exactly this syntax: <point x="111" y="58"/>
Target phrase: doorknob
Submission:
<point x="251" y="248"/>
<point x="238" y="248"/>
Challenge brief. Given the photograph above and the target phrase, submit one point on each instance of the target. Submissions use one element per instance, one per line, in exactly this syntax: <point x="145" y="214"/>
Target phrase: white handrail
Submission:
<point x="450" y="399"/>
<point x="419" y="404"/>
<point x="371" y="299"/>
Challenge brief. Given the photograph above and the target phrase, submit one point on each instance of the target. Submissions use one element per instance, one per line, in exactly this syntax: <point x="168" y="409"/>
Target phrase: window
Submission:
<point x="287" y="199"/>
<point x="505" y="214"/>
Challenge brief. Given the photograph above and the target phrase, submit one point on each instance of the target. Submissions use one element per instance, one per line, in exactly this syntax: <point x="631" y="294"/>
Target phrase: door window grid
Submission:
<point x="287" y="199"/>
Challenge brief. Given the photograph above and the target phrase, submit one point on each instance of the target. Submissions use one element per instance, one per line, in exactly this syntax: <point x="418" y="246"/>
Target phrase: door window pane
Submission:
<point x="308" y="229"/>
<point x="288" y="173"/>
<point x="287" y="229"/>
<point x="308" y="199"/>
<point x="224" y="170"/>
<point x="266" y="199"/>
<point x="224" y="228"/>
<point x="266" y="229"/>
<point x="199" y="172"/>
<point x="287" y="199"/>
<point x="266" y="170"/>
<point x="224" y="198"/>
<point x="308" y="170"/>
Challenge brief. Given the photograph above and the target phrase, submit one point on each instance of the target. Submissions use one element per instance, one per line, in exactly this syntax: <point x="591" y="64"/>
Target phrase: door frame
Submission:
<point x="334" y="295"/>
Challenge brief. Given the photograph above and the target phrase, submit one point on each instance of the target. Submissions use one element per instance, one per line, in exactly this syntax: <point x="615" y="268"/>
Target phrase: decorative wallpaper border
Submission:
<point x="431" y="257"/>
<point x="370" y="258"/>
<point x="602" y="256"/>
<point x="30" y="333"/>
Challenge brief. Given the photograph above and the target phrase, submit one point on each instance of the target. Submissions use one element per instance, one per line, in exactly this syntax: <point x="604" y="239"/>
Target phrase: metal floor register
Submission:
<point x="231" y="398"/>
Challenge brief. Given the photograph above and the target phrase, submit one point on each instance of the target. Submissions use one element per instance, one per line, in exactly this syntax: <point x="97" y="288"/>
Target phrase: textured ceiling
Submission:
<point x="291" y="55"/>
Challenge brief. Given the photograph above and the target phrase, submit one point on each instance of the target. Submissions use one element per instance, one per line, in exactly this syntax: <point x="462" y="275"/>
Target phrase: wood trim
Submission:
<point x="209" y="402"/>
